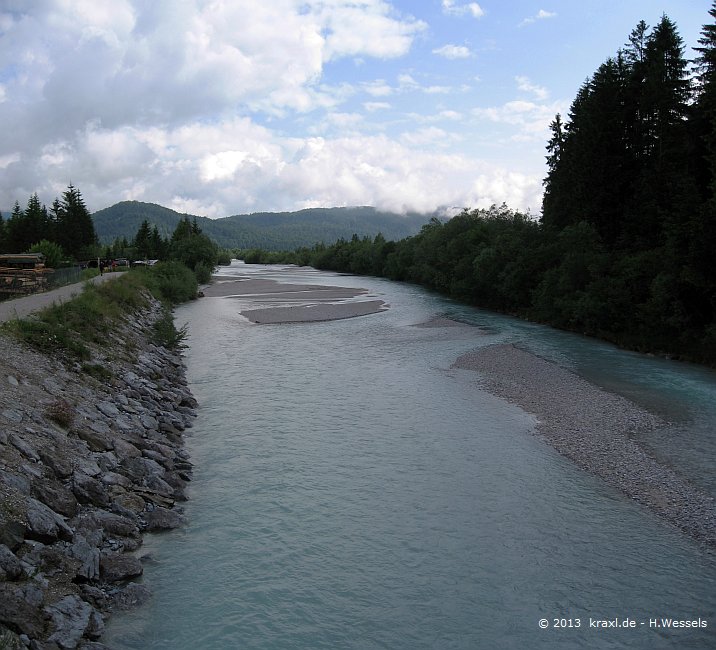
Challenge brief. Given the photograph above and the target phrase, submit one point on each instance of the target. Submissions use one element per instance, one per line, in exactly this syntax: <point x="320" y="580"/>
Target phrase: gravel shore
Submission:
<point x="308" y="303"/>
<point x="595" y="429"/>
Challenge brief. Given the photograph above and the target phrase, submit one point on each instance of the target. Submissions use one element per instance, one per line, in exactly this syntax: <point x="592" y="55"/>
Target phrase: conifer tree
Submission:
<point x="3" y="243"/>
<point x="14" y="230"/>
<point x="75" y="228"/>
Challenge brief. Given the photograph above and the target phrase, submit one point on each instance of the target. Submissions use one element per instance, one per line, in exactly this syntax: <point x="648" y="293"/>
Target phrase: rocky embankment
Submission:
<point x="88" y="463"/>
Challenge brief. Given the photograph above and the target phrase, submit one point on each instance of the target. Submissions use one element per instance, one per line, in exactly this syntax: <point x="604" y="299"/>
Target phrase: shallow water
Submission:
<point x="351" y="491"/>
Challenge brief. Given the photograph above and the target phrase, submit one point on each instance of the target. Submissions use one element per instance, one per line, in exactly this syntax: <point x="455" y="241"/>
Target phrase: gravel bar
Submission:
<point x="594" y="428"/>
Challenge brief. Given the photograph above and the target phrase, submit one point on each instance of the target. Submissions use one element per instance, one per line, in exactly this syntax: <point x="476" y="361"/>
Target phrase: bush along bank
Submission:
<point x="92" y="419"/>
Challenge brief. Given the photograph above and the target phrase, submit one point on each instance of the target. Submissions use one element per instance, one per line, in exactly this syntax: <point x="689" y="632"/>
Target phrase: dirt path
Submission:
<point x="21" y="307"/>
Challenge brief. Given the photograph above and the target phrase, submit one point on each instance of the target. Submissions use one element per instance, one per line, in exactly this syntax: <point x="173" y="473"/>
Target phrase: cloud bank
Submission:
<point x="175" y="102"/>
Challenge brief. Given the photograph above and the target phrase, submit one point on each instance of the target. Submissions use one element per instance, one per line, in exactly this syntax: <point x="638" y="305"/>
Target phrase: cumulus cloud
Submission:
<point x="525" y="85"/>
<point x="472" y="8"/>
<point x="540" y="15"/>
<point x="453" y="51"/>
<point x="176" y="102"/>
<point x="531" y="119"/>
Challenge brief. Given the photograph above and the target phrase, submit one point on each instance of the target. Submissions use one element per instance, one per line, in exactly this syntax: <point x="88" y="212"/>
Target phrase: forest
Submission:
<point x="624" y="246"/>
<point x="65" y="235"/>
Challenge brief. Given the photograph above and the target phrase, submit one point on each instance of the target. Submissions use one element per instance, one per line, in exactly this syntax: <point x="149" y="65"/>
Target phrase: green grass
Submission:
<point x="70" y="327"/>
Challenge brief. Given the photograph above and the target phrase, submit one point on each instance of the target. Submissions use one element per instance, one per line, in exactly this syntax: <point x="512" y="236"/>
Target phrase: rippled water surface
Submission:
<point x="351" y="491"/>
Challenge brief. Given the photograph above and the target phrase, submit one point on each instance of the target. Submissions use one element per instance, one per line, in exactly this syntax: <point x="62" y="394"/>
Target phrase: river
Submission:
<point x="351" y="490"/>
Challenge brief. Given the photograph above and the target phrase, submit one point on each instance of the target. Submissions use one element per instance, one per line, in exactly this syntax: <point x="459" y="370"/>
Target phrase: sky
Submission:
<point x="221" y="107"/>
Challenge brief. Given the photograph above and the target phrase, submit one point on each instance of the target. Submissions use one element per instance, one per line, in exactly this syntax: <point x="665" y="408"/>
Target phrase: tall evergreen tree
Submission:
<point x="142" y="241"/>
<point x="703" y="118"/>
<point x="36" y="226"/>
<point x="75" y="228"/>
<point x="15" y="230"/>
<point x="3" y="236"/>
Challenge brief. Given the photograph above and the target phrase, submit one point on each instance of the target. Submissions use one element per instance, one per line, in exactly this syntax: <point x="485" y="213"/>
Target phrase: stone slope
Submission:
<point x="87" y="466"/>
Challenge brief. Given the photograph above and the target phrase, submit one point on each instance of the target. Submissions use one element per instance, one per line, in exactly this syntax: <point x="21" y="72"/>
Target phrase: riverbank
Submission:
<point x="91" y="458"/>
<point x="598" y="431"/>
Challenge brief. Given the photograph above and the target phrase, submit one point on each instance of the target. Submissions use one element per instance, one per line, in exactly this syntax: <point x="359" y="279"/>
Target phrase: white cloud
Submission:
<point x="429" y="136"/>
<point x="472" y="8"/>
<point x="531" y="119"/>
<point x="540" y="15"/>
<point x="453" y="51"/>
<point x="372" y="107"/>
<point x="165" y="101"/>
<point x="525" y="85"/>
<point x="378" y="88"/>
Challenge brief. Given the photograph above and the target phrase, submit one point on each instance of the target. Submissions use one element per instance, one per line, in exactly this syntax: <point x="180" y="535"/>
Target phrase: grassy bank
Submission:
<point x="70" y="328"/>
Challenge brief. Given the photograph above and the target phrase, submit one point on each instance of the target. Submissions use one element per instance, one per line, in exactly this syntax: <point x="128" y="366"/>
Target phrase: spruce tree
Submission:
<point x="75" y="228"/>
<point x="14" y="230"/>
<point x="3" y="243"/>
<point x="36" y="227"/>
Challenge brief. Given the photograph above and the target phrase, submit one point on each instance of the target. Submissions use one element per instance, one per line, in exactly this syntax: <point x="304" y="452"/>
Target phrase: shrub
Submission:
<point x="62" y="412"/>
<point x="166" y="334"/>
<point x="171" y="282"/>
<point x="203" y="272"/>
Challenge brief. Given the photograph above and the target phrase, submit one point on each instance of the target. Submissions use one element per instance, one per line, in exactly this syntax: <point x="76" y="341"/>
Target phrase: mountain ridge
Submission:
<point x="267" y="230"/>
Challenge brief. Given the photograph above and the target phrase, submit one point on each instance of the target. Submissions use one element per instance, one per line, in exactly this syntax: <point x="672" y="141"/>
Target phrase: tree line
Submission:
<point x="624" y="246"/>
<point x="66" y="230"/>
<point x="187" y="244"/>
<point x="65" y="234"/>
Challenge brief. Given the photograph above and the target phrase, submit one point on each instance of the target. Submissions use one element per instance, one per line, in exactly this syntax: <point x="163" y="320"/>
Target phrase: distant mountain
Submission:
<point x="267" y="230"/>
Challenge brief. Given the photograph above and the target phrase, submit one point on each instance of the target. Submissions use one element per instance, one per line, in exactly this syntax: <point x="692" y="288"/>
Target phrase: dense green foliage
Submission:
<point x="68" y="230"/>
<point x="68" y="224"/>
<point x="268" y="231"/>
<point x="624" y="247"/>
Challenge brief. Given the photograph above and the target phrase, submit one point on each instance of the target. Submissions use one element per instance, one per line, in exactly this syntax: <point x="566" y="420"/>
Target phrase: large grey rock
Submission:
<point x="141" y="469"/>
<point x="20" y="607"/>
<point x="70" y="619"/>
<point x="56" y="496"/>
<point x="116" y="568"/>
<point x="10" y="567"/>
<point x="12" y="532"/>
<point x="24" y="447"/>
<point x="96" y="440"/>
<point x="89" y="490"/>
<point x="132" y="595"/>
<point x="109" y="409"/>
<point x="162" y="519"/>
<point x="125" y="449"/>
<point x="149" y="422"/>
<point x="88" y="556"/>
<point x="87" y="465"/>
<point x="59" y="463"/>
<point x="15" y="481"/>
<point x="44" y="524"/>
<point x="100" y="426"/>
<point x="112" y="478"/>
<point x="115" y="524"/>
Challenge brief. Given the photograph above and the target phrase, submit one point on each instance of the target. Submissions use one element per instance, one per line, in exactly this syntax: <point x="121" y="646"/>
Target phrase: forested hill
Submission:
<point x="266" y="230"/>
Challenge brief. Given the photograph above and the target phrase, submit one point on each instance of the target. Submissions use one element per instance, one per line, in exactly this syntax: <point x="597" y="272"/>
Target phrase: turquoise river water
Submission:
<point x="352" y="491"/>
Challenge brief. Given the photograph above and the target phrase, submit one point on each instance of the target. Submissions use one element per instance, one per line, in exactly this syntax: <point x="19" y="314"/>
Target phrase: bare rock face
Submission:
<point x="86" y="467"/>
